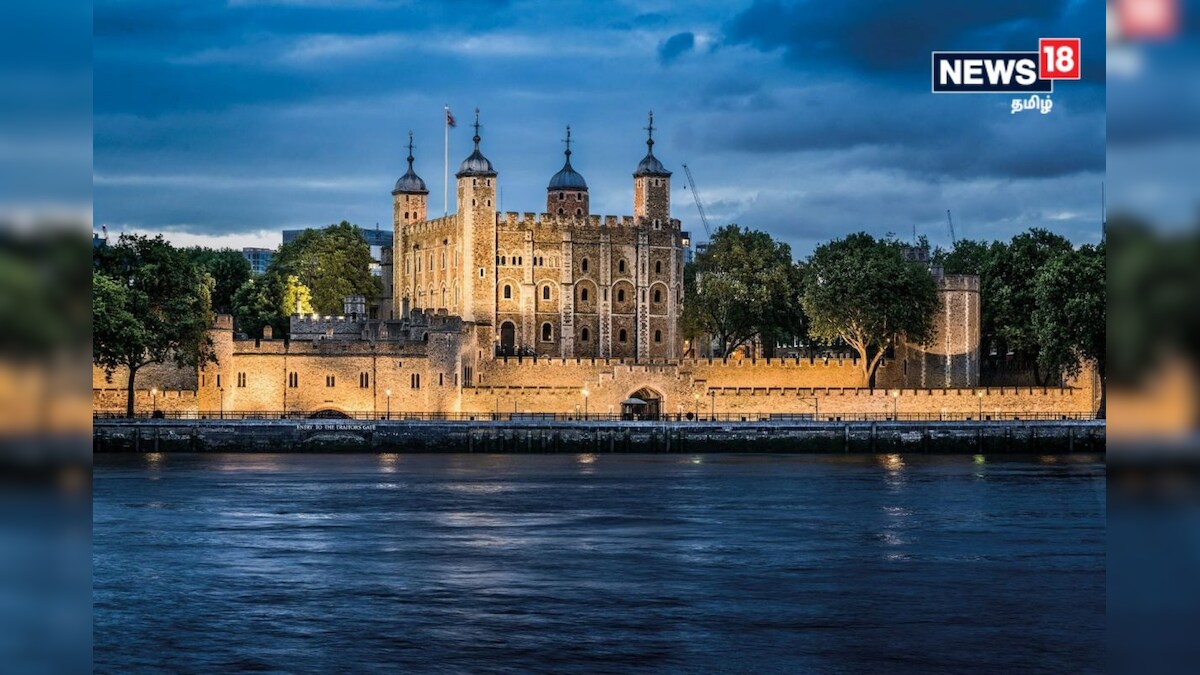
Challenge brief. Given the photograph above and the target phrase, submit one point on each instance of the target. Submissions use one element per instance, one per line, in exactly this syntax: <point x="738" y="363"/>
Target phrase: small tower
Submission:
<point x="410" y="199"/>
<point x="567" y="193"/>
<point x="651" y="184"/>
<point x="477" y="224"/>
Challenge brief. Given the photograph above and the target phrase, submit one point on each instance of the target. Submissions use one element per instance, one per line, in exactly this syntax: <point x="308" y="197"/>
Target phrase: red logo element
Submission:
<point x="1058" y="58"/>
<point x="1148" y="19"/>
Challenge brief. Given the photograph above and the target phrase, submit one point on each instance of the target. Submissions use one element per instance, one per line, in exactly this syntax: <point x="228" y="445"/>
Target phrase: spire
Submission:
<point x="650" y="135"/>
<point x="650" y="166"/>
<point x="410" y="182"/>
<point x="567" y="178"/>
<point x="476" y="164"/>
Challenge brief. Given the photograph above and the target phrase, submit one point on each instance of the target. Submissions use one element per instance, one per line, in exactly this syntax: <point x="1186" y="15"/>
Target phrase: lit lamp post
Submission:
<point x="896" y="405"/>
<point x="221" y="393"/>
<point x="697" y="399"/>
<point x="153" y="403"/>
<point x="712" y="410"/>
<point x="980" y="395"/>
<point x="585" y="399"/>
<point x="388" y="394"/>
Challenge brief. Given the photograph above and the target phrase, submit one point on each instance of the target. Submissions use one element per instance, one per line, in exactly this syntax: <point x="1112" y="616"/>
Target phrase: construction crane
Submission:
<point x="950" y="222"/>
<point x="699" y="205"/>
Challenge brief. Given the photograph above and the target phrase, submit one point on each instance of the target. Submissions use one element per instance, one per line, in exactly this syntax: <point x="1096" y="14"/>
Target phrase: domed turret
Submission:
<point x="476" y="164"/>
<point x="410" y="183"/>
<point x="567" y="193"/>
<point x="650" y="166"/>
<point x="567" y="178"/>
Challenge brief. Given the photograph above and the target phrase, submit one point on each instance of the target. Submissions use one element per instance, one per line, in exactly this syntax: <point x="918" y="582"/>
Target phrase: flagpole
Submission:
<point x="446" y="164"/>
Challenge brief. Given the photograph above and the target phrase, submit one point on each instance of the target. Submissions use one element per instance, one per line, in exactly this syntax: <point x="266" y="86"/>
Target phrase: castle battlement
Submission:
<point x="529" y="219"/>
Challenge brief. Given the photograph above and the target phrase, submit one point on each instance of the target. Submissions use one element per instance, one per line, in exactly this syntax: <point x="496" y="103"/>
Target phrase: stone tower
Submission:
<point x="477" y="225"/>
<point x="567" y="193"/>
<point x="410" y="200"/>
<point x="651" y="185"/>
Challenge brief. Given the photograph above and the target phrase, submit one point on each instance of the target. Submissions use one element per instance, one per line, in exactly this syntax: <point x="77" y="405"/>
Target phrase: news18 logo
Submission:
<point x="1007" y="72"/>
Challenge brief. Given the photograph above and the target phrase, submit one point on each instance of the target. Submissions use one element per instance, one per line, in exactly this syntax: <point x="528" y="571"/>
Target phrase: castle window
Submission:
<point x="545" y="292"/>
<point x="474" y="202"/>
<point x="583" y="297"/>
<point x="621" y="266"/>
<point x="507" y="292"/>
<point x="547" y="332"/>
<point x="579" y="212"/>
<point x="622" y="336"/>
<point x="364" y="380"/>
<point x="658" y="336"/>
<point x="489" y="202"/>
<point x="560" y="211"/>
<point x="443" y="260"/>
<point x="578" y="196"/>
<point x="474" y="181"/>
<point x="561" y="196"/>
<point x="657" y="295"/>
<point x="481" y="272"/>
<point x="406" y="214"/>
<point x="584" y="335"/>
<point x="441" y="379"/>
<point x="330" y="381"/>
<point x="520" y="260"/>
<point x="415" y="380"/>
<point x="621" y="295"/>
<point x="583" y="264"/>
<point x="658" y="267"/>
<point x="293" y="380"/>
<point x="241" y="380"/>
<point x="218" y="380"/>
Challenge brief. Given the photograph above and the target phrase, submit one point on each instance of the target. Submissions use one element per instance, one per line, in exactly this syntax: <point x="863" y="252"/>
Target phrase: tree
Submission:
<point x="332" y="263"/>
<point x="1069" y="317"/>
<point x="149" y="305"/>
<point x="228" y="268"/>
<point x="1010" y="289"/>
<point x="863" y="291"/>
<point x="744" y="285"/>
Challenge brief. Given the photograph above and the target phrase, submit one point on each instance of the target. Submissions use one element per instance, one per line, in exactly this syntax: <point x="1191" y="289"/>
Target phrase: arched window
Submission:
<point x="584" y="335"/>
<point x="507" y="292"/>
<point x="621" y="266"/>
<point x="547" y="332"/>
<point x="621" y="295"/>
<point x="560" y="211"/>
<point x="583" y="296"/>
<point x="583" y="264"/>
<point x="657" y="295"/>
<point x="622" y="336"/>
<point x="562" y="196"/>
<point x="658" y="336"/>
<point x="658" y="267"/>
<point x="545" y="292"/>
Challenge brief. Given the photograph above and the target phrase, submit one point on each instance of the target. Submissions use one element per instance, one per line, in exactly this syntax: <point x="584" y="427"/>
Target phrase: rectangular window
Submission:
<point x="364" y="380"/>
<point x="293" y="380"/>
<point x="440" y="380"/>
<point x="241" y="379"/>
<point x="416" y="381"/>
<point x="218" y="380"/>
<point x="330" y="380"/>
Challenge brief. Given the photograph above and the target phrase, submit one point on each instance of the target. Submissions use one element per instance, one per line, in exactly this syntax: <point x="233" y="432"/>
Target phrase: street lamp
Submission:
<point x="585" y="398"/>
<point x="980" y="395"/>
<point x="896" y="405"/>
<point x="388" y="394"/>
<point x="712" y="411"/>
<point x="153" y="404"/>
<point x="697" y="399"/>
<point x="221" y="393"/>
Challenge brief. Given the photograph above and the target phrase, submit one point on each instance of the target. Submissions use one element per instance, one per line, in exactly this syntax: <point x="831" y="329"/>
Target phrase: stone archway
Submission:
<point x="328" y="414"/>
<point x="508" y="338"/>
<point x="643" y="404"/>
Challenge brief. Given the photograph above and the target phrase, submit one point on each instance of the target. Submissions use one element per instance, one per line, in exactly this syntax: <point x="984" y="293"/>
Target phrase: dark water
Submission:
<point x="719" y="563"/>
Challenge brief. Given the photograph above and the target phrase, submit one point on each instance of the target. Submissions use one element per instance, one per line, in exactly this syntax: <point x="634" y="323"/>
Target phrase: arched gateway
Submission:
<point x="643" y="404"/>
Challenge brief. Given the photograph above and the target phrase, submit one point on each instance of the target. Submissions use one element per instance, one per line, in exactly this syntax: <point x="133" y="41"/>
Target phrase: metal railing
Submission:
<point x="732" y="417"/>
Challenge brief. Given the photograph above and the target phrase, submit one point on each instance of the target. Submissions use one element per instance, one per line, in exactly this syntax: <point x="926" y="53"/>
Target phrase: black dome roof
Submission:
<point x="476" y="164"/>
<point x="650" y="166"/>
<point x="410" y="182"/>
<point x="567" y="178"/>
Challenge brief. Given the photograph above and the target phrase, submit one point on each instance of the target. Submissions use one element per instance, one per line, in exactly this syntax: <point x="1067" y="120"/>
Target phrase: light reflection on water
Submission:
<point x="574" y="563"/>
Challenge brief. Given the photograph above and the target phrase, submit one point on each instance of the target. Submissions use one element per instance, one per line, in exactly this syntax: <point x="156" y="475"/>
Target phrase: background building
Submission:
<point x="259" y="258"/>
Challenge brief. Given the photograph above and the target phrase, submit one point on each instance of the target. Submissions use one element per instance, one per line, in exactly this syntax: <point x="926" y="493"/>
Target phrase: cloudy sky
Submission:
<point x="225" y="122"/>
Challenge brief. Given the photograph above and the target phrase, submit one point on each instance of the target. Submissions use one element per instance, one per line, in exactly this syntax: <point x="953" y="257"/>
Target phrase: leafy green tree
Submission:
<point x="744" y="285"/>
<point x="297" y="299"/>
<point x="1010" y="285"/>
<point x="1070" y="313"/>
<point x="228" y="268"/>
<point x="257" y="304"/>
<point x="149" y="305"/>
<point x="331" y="263"/>
<point x="863" y="291"/>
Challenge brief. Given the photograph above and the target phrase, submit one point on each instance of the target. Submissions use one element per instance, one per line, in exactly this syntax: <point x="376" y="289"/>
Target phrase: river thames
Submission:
<point x="598" y="563"/>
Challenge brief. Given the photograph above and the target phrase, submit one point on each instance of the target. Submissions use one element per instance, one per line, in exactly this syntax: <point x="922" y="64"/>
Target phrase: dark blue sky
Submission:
<point x="226" y="122"/>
